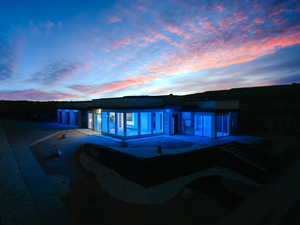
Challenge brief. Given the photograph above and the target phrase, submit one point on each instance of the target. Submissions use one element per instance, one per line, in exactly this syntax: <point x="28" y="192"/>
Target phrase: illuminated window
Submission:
<point x="120" y="121"/>
<point x="112" y="123"/>
<point x="104" y="122"/>
<point x="145" y="123"/>
<point x="203" y="125"/>
<point x="90" y="120"/>
<point x="222" y="124"/>
<point x="158" y="122"/>
<point x="132" y="124"/>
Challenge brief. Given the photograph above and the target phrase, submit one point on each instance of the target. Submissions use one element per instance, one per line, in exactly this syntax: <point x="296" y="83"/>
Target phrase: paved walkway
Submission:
<point x="47" y="204"/>
<point x="16" y="203"/>
<point x="270" y="204"/>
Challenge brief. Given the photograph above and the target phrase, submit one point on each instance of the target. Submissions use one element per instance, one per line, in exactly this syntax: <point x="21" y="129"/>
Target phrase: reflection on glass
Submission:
<point x="222" y="124"/>
<point x="203" y="124"/>
<point x="145" y="123"/>
<point x="112" y="123"/>
<point x="97" y="122"/>
<point x="104" y="122"/>
<point x="132" y="124"/>
<point x="158" y="122"/>
<point x="120" y="122"/>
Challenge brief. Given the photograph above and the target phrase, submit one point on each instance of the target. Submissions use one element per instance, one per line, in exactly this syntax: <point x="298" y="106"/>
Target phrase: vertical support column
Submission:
<point x="213" y="125"/>
<point x="107" y="122"/>
<point x="193" y="122"/>
<point x="229" y="123"/>
<point x="125" y="121"/>
<point x="116" y="123"/>
<point x="58" y="116"/>
<point x="139" y="123"/>
<point x="152" y="121"/>
<point x="79" y="120"/>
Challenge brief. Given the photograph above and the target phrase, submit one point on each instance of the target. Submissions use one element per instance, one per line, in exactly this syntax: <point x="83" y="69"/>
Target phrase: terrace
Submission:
<point x="147" y="147"/>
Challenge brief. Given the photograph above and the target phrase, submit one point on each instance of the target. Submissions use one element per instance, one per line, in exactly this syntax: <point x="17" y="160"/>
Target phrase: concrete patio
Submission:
<point x="147" y="147"/>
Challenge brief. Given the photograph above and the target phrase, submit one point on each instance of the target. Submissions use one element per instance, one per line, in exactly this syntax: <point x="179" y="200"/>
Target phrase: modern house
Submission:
<point x="141" y="116"/>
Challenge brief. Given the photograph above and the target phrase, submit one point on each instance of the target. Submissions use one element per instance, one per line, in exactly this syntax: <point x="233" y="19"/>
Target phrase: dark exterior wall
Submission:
<point x="83" y="119"/>
<point x="272" y="117"/>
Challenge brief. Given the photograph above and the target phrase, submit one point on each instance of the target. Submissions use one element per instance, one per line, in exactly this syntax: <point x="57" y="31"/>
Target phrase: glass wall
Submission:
<point x="112" y="123"/>
<point x="145" y="123"/>
<point x="158" y="122"/>
<point x="187" y="123"/>
<point x="203" y="124"/>
<point x="104" y="122"/>
<point x="97" y="122"/>
<point x="132" y="124"/>
<point x="222" y="124"/>
<point x="120" y="122"/>
<point x="90" y="120"/>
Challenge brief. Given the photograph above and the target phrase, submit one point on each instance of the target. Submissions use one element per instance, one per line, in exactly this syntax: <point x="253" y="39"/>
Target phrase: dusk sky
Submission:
<point x="81" y="50"/>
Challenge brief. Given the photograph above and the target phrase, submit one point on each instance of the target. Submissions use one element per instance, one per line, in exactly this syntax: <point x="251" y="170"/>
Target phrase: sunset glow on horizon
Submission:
<point x="82" y="50"/>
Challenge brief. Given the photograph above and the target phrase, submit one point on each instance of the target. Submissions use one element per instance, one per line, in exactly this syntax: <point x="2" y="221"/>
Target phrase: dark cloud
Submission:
<point x="33" y="94"/>
<point x="57" y="72"/>
<point x="8" y="59"/>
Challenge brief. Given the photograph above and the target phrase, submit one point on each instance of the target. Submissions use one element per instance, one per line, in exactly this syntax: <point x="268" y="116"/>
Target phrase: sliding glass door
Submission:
<point x="112" y="123"/>
<point x="158" y="122"/>
<point x="203" y="124"/>
<point x="145" y="123"/>
<point x="120" y="124"/>
<point x="222" y="124"/>
<point x="132" y="124"/>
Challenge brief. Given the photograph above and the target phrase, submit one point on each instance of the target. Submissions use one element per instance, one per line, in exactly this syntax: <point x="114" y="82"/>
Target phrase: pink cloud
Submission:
<point x="155" y="36"/>
<point x="33" y="94"/>
<point x="218" y="8"/>
<point x="114" y="19"/>
<point x="209" y="26"/>
<point x="151" y="37"/>
<point x="258" y="20"/>
<point x="114" y="85"/>
<point x="123" y="42"/>
<point x="142" y="8"/>
<point x="231" y="20"/>
<point x="222" y="54"/>
<point x="197" y="57"/>
<point x="178" y="31"/>
<point x="278" y="20"/>
<point x="279" y="11"/>
<point x="195" y="28"/>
